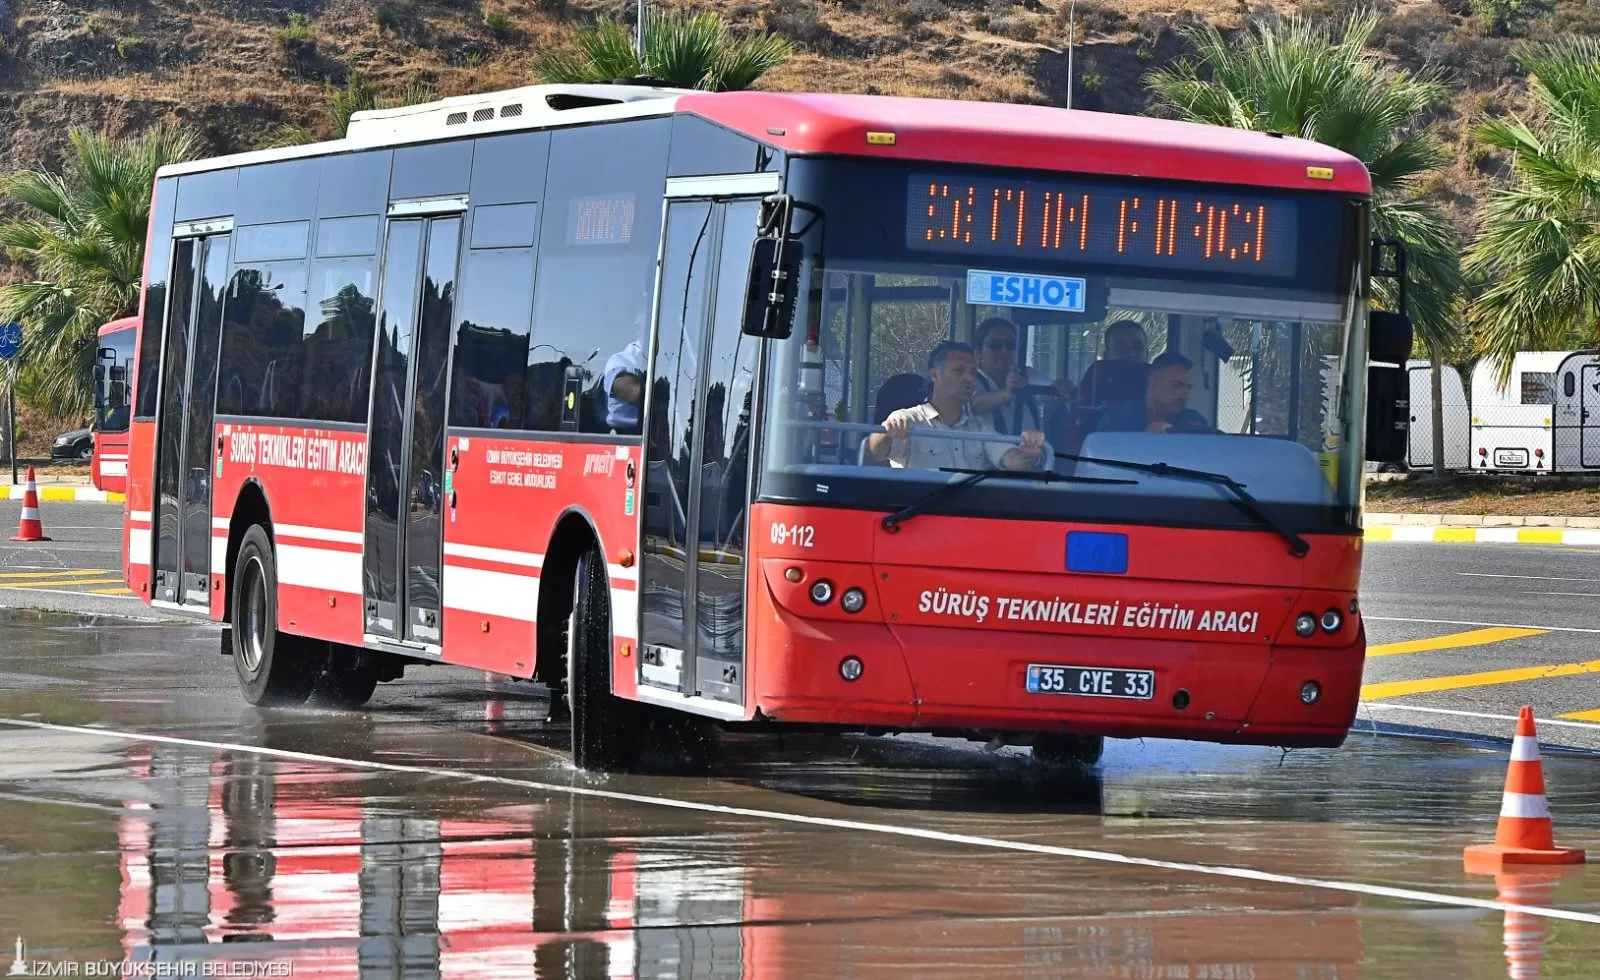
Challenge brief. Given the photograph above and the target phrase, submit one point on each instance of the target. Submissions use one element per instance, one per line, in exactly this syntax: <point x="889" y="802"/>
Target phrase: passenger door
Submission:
<point x="186" y="415"/>
<point x="405" y="448"/>
<point x="696" y="484"/>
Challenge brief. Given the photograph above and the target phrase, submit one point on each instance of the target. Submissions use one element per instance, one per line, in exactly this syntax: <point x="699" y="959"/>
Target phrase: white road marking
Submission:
<point x="1465" y="622"/>
<point x="1541" y="578"/>
<point x="888" y="830"/>
<point x="1575" y="595"/>
<point x="1488" y="716"/>
<point x="23" y="592"/>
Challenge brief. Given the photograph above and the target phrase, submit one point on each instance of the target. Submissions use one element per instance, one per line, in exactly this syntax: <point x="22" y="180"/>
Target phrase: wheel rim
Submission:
<point x="253" y="617"/>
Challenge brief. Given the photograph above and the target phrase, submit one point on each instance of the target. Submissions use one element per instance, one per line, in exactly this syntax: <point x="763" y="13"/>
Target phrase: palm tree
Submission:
<point x="340" y="103"/>
<point x="1314" y="80"/>
<point x="80" y="246"/>
<point x="1538" y="253"/>
<point x="685" y="49"/>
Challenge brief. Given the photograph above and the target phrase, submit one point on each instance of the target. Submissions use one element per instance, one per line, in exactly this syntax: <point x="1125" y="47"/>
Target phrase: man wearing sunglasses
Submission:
<point x="1000" y="396"/>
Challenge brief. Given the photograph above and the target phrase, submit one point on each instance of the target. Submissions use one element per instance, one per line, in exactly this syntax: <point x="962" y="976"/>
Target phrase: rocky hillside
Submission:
<point x="241" y="71"/>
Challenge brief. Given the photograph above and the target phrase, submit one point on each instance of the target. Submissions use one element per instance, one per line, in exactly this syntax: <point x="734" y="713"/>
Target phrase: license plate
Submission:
<point x="1512" y="458"/>
<point x="1094" y="682"/>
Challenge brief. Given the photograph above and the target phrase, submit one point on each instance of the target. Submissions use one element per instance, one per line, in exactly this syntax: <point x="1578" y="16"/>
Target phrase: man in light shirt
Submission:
<point x="953" y="368"/>
<point x="624" y="387"/>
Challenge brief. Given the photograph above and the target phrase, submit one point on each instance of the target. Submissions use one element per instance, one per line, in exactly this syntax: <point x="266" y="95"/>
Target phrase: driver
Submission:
<point x="953" y="368"/>
<point x="1165" y="406"/>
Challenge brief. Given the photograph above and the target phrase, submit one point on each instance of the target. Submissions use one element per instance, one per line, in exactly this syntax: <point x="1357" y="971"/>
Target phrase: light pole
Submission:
<point x="1072" y="37"/>
<point x="638" y="38"/>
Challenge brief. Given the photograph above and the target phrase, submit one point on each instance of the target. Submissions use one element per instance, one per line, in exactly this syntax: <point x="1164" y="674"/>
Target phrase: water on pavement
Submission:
<point x="441" y="832"/>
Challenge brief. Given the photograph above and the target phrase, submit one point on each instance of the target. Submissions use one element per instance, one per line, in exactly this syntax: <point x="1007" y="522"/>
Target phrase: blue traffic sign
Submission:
<point x="10" y="339"/>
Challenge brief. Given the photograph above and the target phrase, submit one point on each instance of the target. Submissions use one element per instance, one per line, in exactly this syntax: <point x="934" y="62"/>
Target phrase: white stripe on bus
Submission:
<point x="501" y="594"/>
<point x="320" y="568"/>
<point x="505" y="556"/>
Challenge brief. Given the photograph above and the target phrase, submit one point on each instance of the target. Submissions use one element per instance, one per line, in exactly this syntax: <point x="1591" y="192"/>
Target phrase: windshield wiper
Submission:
<point x="973" y="478"/>
<point x="1241" y="498"/>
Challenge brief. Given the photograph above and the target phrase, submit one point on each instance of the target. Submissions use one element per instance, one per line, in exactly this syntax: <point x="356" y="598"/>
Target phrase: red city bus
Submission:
<point x="587" y="384"/>
<point x="113" y="400"/>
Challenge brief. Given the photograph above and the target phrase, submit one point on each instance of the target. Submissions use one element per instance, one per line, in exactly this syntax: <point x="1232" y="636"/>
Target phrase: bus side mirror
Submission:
<point x="1388" y="414"/>
<point x="772" y="289"/>
<point x="1389" y="338"/>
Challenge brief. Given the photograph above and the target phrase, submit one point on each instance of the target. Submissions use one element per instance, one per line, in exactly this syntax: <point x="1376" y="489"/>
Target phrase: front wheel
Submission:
<point x="274" y="668"/>
<point x="1061" y="749"/>
<point x="606" y="729"/>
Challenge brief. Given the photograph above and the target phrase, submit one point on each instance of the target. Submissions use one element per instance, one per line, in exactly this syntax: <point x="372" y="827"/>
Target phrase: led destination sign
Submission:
<point x="1150" y="226"/>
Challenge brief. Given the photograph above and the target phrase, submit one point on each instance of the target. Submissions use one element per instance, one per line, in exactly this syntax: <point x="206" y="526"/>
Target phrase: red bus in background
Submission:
<point x="113" y="402"/>
<point x="587" y="384"/>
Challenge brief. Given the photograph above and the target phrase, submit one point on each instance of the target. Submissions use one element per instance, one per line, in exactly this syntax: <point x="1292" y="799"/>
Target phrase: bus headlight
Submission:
<point x="1310" y="691"/>
<point x="853" y="600"/>
<point x="1304" y="624"/>
<point x="822" y="592"/>
<point x="1331" y="621"/>
<point x="850" y="669"/>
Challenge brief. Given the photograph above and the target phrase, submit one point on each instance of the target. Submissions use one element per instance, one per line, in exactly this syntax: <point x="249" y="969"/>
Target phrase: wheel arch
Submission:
<point x="250" y="507"/>
<point x="574" y="534"/>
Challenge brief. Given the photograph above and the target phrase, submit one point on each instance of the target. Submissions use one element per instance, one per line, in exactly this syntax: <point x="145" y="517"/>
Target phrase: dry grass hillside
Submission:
<point x="239" y="71"/>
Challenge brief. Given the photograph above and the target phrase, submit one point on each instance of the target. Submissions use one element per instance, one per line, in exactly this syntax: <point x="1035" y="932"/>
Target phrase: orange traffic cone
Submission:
<point x="30" y="528"/>
<point x="1523" y="933"/>
<point x="1525" y="834"/>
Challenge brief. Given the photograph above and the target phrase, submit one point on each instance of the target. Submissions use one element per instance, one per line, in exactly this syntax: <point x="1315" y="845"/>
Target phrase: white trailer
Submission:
<point x="1457" y="418"/>
<point x="1512" y="426"/>
<point x="1577" y="413"/>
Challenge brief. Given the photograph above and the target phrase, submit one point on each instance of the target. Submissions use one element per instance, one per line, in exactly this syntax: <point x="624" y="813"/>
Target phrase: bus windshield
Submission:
<point x="1236" y="370"/>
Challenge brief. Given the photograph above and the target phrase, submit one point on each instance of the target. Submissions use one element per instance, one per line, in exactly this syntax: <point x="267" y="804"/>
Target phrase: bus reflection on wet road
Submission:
<point x="477" y="854"/>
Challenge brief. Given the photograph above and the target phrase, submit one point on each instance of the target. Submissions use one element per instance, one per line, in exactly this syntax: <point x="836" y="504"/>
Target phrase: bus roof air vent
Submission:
<point x="562" y="101"/>
<point x="530" y="107"/>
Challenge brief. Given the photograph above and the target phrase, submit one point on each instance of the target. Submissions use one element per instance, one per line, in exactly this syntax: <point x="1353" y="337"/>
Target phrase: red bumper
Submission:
<point x="950" y="678"/>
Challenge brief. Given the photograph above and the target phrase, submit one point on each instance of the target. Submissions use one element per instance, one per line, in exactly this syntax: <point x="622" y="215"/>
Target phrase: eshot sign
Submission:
<point x="1035" y="292"/>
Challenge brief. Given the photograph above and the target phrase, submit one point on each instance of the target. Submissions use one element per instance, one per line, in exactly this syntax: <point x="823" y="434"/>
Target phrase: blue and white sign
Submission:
<point x="1015" y="289"/>
<point x="10" y="339"/>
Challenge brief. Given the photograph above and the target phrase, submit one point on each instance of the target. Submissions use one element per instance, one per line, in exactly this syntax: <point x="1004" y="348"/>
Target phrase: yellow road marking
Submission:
<point x="61" y="583"/>
<point x="1455" y="534"/>
<point x="110" y="591"/>
<point x="1428" y="685"/>
<point x="1581" y="716"/>
<point x="59" y="572"/>
<point x="1471" y="638"/>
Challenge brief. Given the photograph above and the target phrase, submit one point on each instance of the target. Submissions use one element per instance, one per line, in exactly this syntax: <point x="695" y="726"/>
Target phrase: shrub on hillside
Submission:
<point x="297" y="39"/>
<point x="800" y="22"/>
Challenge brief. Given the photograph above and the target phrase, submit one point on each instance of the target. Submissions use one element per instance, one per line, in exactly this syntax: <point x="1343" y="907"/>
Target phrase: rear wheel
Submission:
<point x="607" y="731"/>
<point x="1061" y="749"/>
<point x="274" y="668"/>
<point x="349" y="679"/>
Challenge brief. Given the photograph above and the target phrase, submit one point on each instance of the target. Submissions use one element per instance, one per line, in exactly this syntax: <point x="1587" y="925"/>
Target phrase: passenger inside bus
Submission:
<point x="1003" y="398"/>
<point x="1164" y="406"/>
<point x="624" y="388"/>
<point x="952" y="368"/>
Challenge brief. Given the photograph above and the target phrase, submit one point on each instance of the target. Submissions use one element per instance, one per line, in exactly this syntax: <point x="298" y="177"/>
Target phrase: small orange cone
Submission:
<point x="1525" y="834"/>
<point x="30" y="528"/>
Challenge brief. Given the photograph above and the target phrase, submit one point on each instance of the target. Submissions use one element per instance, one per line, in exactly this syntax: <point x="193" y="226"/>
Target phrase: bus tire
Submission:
<point x="273" y="668"/>
<point x="1062" y="749"/>
<point x="349" y="680"/>
<point x="606" y="729"/>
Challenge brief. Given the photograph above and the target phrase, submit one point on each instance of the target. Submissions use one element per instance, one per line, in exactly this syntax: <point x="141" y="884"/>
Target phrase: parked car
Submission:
<point x="77" y="444"/>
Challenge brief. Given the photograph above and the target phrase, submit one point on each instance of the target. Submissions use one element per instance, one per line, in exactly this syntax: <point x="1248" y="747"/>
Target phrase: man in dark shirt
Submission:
<point x="1165" y="406"/>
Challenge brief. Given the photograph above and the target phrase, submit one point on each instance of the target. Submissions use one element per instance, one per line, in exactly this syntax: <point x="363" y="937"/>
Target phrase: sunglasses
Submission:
<point x="1000" y="344"/>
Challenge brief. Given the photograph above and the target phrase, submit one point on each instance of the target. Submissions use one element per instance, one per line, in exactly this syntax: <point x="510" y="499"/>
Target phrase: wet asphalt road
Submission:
<point x="146" y="813"/>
